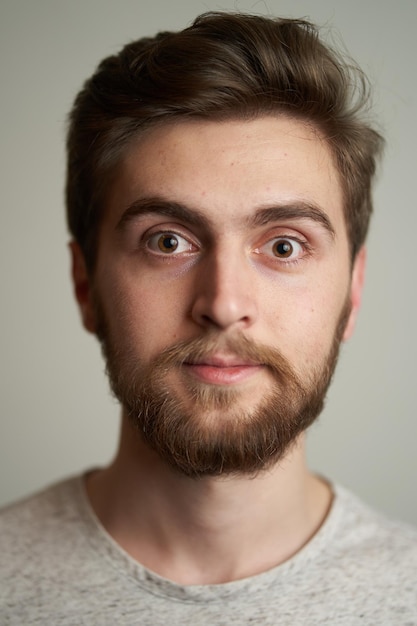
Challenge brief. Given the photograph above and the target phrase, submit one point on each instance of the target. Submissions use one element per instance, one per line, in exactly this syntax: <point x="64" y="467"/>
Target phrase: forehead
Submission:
<point x="228" y="169"/>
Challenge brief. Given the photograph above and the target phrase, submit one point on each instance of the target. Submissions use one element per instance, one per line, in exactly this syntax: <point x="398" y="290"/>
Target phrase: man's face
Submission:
<point x="223" y="287"/>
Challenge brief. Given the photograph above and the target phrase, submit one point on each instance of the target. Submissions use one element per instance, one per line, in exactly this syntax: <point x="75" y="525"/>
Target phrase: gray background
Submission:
<point x="57" y="416"/>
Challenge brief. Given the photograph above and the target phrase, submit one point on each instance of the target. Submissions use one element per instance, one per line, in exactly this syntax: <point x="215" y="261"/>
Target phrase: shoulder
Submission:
<point x="371" y="557"/>
<point x="50" y="563"/>
<point x="360" y="567"/>
<point x="41" y="511"/>
<point x="367" y="530"/>
<point x="41" y="529"/>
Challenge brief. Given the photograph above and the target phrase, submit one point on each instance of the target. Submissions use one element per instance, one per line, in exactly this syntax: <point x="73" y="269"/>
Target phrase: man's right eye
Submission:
<point x="169" y="244"/>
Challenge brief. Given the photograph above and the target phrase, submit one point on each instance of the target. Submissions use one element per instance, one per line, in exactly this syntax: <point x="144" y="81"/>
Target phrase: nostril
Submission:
<point x="206" y="320"/>
<point x="221" y="314"/>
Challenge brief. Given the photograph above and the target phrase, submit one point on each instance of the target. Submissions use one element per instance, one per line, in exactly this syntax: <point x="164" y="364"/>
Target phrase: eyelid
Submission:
<point x="152" y="233"/>
<point x="300" y="241"/>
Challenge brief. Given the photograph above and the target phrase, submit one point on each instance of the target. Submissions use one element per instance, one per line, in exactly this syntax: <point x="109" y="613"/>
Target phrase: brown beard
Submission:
<point x="192" y="441"/>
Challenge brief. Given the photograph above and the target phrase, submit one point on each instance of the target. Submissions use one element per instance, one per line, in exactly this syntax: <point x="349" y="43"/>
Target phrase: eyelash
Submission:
<point x="304" y="245"/>
<point x="146" y="243"/>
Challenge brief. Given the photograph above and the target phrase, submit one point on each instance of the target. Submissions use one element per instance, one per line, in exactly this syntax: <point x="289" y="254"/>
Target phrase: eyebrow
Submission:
<point x="161" y="206"/>
<point x="294" y="210"/>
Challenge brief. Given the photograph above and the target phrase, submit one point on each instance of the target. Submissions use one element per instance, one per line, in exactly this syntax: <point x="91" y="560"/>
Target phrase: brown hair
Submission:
<point x="223" y="66"/>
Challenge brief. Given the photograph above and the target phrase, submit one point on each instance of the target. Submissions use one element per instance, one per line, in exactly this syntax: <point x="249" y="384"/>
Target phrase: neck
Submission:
<point x="208" y="530"/>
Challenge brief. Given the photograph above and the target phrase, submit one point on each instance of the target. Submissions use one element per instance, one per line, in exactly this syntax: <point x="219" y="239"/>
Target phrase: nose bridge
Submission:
<point x="225" y="293"/>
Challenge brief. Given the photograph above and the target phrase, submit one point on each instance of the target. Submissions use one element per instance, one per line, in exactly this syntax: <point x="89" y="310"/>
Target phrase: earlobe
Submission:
<point x="82" y="287"/>
<point x="356" y="288"/>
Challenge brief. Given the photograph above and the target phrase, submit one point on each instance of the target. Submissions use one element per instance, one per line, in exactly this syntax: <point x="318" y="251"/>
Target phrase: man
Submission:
<point x="218" y="196"/>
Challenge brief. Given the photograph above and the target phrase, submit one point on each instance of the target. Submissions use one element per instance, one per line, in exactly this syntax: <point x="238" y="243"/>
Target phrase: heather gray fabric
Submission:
<point x="58" y="566"/>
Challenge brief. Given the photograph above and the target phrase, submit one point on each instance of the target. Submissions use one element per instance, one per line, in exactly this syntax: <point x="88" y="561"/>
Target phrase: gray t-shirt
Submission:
<point x="58" y="566"/>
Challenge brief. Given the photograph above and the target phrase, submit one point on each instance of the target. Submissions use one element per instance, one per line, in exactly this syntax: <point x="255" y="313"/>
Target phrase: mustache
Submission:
<point x="238" y="345"/>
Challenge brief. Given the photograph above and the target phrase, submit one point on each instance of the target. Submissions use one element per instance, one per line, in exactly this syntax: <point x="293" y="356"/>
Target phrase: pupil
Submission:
<point x="283" y="248"/>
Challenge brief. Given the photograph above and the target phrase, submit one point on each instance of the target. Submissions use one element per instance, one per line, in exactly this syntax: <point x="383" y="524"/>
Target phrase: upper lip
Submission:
<point x="222" y="360"/>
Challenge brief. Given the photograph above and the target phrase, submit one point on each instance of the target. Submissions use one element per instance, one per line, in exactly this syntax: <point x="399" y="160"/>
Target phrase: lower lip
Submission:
<point x="223" y="375"/>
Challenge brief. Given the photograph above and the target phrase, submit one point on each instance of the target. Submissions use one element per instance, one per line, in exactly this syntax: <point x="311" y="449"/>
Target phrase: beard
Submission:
<point x="203" y="430"/>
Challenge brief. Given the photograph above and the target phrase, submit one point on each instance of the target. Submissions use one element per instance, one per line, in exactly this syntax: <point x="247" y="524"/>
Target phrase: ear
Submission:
<point x="82" y="287"/>
<point x="356" y="288"/>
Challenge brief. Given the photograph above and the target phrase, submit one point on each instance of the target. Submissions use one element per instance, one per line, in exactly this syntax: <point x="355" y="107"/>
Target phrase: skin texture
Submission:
<point x="228" y="274"/>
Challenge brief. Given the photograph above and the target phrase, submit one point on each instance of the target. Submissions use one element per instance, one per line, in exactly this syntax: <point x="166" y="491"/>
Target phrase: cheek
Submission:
<point x="304" y="321"/>
<point x="142" y="315"/>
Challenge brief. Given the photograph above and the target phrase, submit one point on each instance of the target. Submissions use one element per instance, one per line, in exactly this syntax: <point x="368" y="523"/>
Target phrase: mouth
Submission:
<point x="222" y="369"/>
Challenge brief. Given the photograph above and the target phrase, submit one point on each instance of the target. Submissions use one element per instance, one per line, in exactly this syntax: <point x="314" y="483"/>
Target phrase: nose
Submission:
<point x="224" y="295"/>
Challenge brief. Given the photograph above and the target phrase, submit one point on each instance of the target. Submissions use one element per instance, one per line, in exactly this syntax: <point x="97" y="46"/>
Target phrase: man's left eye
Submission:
<point x="284" y="248"/>
<point x="169" y="244"/>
